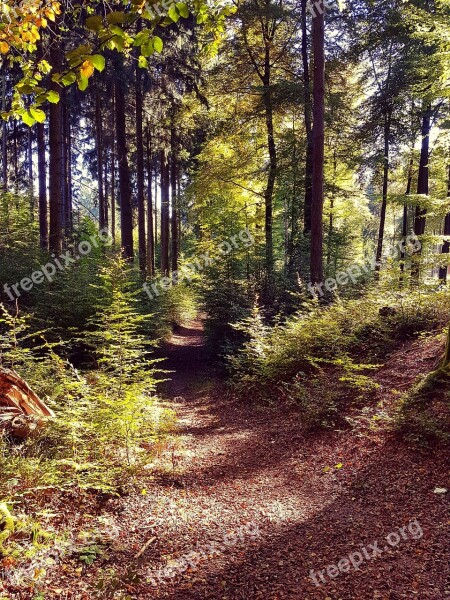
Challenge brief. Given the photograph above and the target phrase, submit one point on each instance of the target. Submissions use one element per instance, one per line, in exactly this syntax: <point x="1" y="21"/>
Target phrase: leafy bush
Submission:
<point x="281" y="359"/>
<point x="106" y="418"/>
<point x="423" y="414"/>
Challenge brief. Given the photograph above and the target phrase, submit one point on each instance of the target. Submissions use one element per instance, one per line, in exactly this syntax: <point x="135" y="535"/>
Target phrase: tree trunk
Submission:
<point x="56" y="171"/>
<point x="165" y="199"/>
<point x="318" y="146"/>
<point x="30" y="172"/>
<point x="308" y="121"/>
<point x="126" y="213"/>
<point x="4" y="130"/>
<point x="173" y="183"/>
<point x="446" y="245"/>
<point x="405" y="218"/>
<point x="150" y="235"/>
<point x="42" y="179"/>
<point x="99" y="151"/>
<point x="113" y="175"/>
<point x="387" y="132"/>
<point x="140" y="172"/>
<point x="268" y="195"/>
<point x="422" y="184"/>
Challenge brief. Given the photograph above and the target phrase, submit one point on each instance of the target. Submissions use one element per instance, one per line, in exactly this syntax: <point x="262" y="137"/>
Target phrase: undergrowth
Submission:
<point x="320" y="358"/>
<point x="107" y="417"/>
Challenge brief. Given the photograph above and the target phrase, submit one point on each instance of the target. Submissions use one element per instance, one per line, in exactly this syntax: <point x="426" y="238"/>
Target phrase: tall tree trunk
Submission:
<point x="99" y="152"/>
<point x="56" y="171"/>
<point x="4" y="129"/>
<point x="446" y="245"/>
<point x="173" y="182"/>
<point x="140" y="175"/>
<point x="165" y="201"/>
<point x="331" y="218"/>
<point x="318" y="146"/>
<point x="150" y="234"/>
<point x="106" y="180"/>
<point x="308" y="121"/>
<point x="405" y="218"/>
<point x="268" y="194"/>
<point x="156" y="206"/>
<point x="387" y="133"/>
<point x="126" y="213"/>
<point x="42" y="180"/>
<point x="113" y="175"/>
<point x="69" y="194"/>
<point x="30" y="172"/>
<point x="422" y="183"/>
<point x="15" y="159"/>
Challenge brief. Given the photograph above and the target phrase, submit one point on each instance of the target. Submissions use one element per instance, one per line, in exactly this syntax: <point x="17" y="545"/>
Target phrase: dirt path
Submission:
<point x="244" y="506"/>
<point x="253" y="505"/>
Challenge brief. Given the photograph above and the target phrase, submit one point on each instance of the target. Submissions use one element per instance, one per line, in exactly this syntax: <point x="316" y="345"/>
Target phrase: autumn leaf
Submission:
<point x="87" y="69"/>
<point x="4" y="48"/>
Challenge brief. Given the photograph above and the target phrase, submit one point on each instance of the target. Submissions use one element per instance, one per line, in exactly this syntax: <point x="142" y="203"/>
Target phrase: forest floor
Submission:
<point x="253" y="504"/>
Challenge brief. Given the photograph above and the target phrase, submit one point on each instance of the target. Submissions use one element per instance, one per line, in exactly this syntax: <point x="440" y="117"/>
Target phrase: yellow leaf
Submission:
<point x="338" y="466"/>
<point x="4" y="48"/>
<point x="144" y="492"/>
<point x="87" y="68"/>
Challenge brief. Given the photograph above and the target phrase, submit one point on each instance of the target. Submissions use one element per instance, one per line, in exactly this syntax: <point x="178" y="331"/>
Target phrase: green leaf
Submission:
<point x="69" y="78"/>
<point x="147" y="49"/>
<point x="28" y="119"/>
<point x="183" y="9"/>
<point x="53" y="97"/>
<point x="115" y="17"/>
<point x="143" y="62"/>
<point x="158" y="44"/>
<point x="173" y="14"/>
<point x="83" y="83"/>
<point x="37" y="114"/>
<point x="94" y="23"/>
<point x="141" y="38"/>
<point x="98" y="61"/>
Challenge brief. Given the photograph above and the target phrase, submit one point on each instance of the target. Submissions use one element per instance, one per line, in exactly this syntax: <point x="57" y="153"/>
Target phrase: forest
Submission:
<point x="224" y="299"/>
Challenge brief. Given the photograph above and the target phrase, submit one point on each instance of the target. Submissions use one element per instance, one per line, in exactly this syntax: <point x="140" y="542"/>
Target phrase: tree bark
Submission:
<point x="268" y="195"/>
<point x="56" y="170"/>
<point x="387" y="133"/>
<point x="165" y="200"/>
<point x="405" y="218"/>
<point x="42" y="180"/>
<point x="173" y="184"/>
<point x="150" y="225"/>
<point x="318" y="146"/>
<point x="30" y="172"/>
<point x="308" y="121"/>
<point x="4" y="130"/>
<point x="140" y="175"/>
<point x="446" y="245"/>
<point x="99" y="152"/>
<point x="126" y="213"/>
<point x="422" y="184"/>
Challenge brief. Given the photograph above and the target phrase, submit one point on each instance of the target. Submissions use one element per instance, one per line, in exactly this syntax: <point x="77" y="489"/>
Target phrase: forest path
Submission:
<point x="249" y="504"/>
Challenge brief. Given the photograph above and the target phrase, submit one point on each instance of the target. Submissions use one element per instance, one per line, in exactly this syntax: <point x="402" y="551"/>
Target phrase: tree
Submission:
<point x="318" y="41"/>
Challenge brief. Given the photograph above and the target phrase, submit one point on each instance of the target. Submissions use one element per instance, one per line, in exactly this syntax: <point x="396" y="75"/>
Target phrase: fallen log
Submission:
<point x="21" y="409"/>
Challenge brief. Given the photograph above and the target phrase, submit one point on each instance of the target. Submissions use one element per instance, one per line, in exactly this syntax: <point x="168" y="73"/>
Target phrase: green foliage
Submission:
<point x="423" y="415"/>
<point x="107" y="417"/>
<point x="320" y="345"/>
